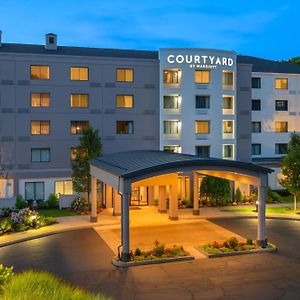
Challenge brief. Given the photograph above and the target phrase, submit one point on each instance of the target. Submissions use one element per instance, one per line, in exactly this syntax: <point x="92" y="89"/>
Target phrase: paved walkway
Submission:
<point x="138" y="218"/>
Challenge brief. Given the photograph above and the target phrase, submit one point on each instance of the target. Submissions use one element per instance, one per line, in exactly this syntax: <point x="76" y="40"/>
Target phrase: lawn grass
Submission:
<point x="276" y="210"/>
<point x="43" y="285"/>
<point x="55" y="212"/>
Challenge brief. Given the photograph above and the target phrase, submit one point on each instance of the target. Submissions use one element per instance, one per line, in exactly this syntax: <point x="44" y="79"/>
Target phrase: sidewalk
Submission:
<point x="138" y="218"/>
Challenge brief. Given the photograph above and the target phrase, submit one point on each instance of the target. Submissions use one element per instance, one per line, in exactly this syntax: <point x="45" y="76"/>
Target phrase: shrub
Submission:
<point x="137" y="252"/>
<point x="155" y="202"/>
<point x="249" y="242"/>
<point x="5" y="226"/>
<point x="6" y="274"/>
<point x="79" y="204"/>
<point x="238" y="195"/>
<point x="45" y="221"/>
<point x="187" y="202"/>
<point x="52" y="201"/>
<point x="233" y="243"/>
<point x="5" y="212"/>
<point x="178" y="251"/>
<point x="158" y="249"/>
<point x="41" y="204"/>
<point x="43" y="285"/>
<point x="20" y="202"/>
<point x="26" y="217"/>
<point x="272" y="196"/>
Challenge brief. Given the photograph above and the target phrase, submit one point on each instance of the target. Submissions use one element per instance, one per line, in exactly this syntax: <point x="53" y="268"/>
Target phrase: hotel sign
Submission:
<point x="200" y="61"/>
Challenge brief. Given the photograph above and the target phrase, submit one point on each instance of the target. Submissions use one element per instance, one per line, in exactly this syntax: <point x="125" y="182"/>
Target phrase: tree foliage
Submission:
<point x="89" y="147"/>
<point x="216" y="191"/>
<point x="294" y="60"/>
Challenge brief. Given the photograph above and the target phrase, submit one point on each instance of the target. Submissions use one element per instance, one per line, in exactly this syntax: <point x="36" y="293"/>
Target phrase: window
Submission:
<point x="34" y="191"/>
<point x="77" y="127"/>
<point x="39" y="72"/>
<point x="64" y="187"/>
<point x="227" y="126"/>
<point x="227" y="79"/>
<point x="75" y="151"/>
<point x="281" y="105"/>
<point x="79" y="100"/>
<point x="280" y="148"/>
<point x="281" y="126"/>
<point x="40" y="100"/>
<point x="227" y="102"/>
<point x="79" y="73"/>
<point x="256" y="105"/>
<point x="171" y="101"/>
<point x="125" y="127"/>
<point x="124" y="75"/>
<point x="171" y="76"/>
<point x="281" y="83"/>
<point x="124" y="101"/>
<point x="202" y="127"/>
<point x="256" y="149"/>
<point x="256" y="82"/>
<point x="202" y="76"/>
<point x="203" y="151"/>
<point x="40" y="127"/>
<point x="228" y="151"/>
<point x="172" y="148"/>
<point x="256" y="127"/>
<point x="202" y="102"/>
<point x="40" y="154"/>
<point x="171" y="127"/>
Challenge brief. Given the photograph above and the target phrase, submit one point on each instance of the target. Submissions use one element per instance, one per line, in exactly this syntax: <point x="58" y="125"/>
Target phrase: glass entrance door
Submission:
<point x="138" y="198"/>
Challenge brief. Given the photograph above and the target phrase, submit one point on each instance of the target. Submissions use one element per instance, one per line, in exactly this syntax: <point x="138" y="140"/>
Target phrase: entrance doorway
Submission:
<point x="139" y="197"/>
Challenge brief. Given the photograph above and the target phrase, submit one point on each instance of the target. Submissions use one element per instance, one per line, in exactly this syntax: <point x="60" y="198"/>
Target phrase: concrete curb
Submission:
<point x="253" y="217"/>
<point x="123" y="264"/>
<point x="236" y="253"/>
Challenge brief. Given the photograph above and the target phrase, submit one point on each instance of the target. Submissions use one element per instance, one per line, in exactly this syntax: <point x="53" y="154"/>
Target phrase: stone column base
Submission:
<point x="173" y="218"/>
<point x="262" y="243"/>
<point x="94" y="219"/>
<point x="196" y="212"/>
<point x="125" y="256"/>
<point x="162" y="210"/>
<point x="116" y="214"/>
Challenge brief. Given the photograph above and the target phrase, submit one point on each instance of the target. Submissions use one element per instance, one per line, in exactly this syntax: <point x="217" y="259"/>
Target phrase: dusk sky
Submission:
<point x="268" y="29"/>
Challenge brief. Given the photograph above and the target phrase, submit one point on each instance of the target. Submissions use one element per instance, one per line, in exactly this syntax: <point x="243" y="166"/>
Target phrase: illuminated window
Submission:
<point x="171" y="76"/>
<point x="227" y="102"/>
<point x="202" y="76"/>
<point x="40" y="127"/>
<point x="256" y="82"/>
<point x="202" y="127"/>
<point x="256" y="127"/>
<point x="40" y="100"/>
<point x="281" y="126"/>
<point x="281" y="83"/>
<point x="40" y="154"/>
<point x="125" y="127"/>
<point x="79" y="100"/>
<point x="281" y="105"/>
<point x="281" y="148"/>
<point x="171" y="127"/>
<point x="227" y="79"/>
<point x="124" y="101"/>
<point x="256" y="149"/>
<point x="227" y="126"/>
<point x="228" y="151"/>
<point x="39" y="72"/>
<point x="172" y="148"/>
<point x="256" y="105"/>
<point x="78" y="127"/>
<point x="124" y="75"/>
<point x="79" y="73"/>
<point x="74" y="152"/>
<point x="202" y="102"/>
<point x="34" y="191"/>
<point x="171" y="101"/>
<point x="64" y="187"/>
<point x="203" y="151"/>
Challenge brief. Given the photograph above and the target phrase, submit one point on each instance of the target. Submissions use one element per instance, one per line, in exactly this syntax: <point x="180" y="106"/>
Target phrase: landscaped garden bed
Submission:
<point x="159" y="254"/>
<point x="232" y="247"/>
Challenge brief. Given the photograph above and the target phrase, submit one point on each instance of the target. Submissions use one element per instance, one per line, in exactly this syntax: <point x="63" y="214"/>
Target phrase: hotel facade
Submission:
<point x="205" y="102"/>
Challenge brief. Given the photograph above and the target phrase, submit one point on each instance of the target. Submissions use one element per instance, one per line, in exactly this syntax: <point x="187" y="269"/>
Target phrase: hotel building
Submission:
<point x="207" y="102"/>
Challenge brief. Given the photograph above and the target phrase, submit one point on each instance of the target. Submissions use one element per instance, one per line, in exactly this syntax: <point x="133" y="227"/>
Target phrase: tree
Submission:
<point x="290" y="168"/>
<point x="89" y="147"/>
<point x="294" y="60"/>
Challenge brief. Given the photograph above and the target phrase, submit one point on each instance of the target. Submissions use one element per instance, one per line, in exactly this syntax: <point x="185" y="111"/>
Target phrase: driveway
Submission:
<point x="83" y="258"/>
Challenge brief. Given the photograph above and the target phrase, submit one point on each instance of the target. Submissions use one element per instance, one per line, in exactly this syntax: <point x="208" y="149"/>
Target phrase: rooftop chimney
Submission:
<point x="0" y="38"/>
<point x="51" y="41"/>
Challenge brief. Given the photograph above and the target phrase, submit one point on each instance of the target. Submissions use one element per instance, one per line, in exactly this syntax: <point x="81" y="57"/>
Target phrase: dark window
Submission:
<point x="51" y="40"/>
<point x="256" y="149"/>
<point x="171" y="101"/>
<point x="256" y="82"/>
<point x="203" y="151"/>
<point x="125" y="127"/>
<point x="281" y="105"/>
<point x="256" y="105"/>
<point x="256" y="126"/>
<point x="202" y="101"/>
<point x="77" y="127"/>
<point x="280" y="148"/>
<point x="40" y="155"/>
<point x="34" y="191"/>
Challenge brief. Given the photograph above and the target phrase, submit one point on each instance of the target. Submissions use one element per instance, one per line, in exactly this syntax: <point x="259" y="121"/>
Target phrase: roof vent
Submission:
<point x="51" y="41"/>
<point x="0" y="38"/>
